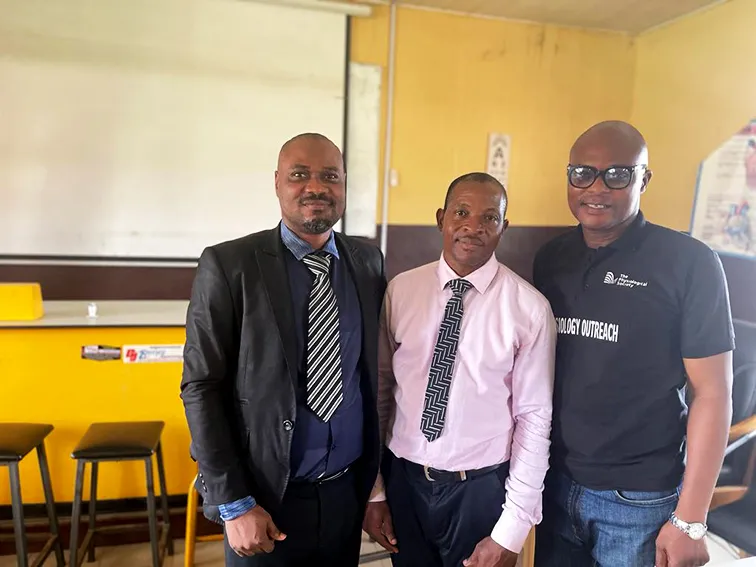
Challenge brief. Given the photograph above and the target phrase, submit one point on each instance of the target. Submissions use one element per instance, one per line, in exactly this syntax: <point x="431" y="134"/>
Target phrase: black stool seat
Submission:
<point x="120" y="441"/>
<point x="129" y="440"/>
<point x="19" y="439"/>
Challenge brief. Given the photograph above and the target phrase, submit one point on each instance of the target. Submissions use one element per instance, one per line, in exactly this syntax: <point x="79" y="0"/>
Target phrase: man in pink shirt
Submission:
<point x="466" y="368"/>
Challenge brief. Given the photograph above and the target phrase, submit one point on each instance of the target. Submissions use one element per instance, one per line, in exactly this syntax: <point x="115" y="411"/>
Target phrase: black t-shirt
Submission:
<point x="627" y="314"/>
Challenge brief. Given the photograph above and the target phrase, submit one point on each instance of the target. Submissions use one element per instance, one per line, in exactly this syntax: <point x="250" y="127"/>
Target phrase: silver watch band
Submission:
<point x="694" y="530"/>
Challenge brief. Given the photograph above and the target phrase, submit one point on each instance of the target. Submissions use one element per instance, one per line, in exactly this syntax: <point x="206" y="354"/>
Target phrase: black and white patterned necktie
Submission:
<point x="440" y="375"/>
<point x="324" y="387"/>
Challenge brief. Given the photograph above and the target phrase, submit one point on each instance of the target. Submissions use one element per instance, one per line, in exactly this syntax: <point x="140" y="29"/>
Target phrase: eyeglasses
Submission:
<point x="615" y="177"/>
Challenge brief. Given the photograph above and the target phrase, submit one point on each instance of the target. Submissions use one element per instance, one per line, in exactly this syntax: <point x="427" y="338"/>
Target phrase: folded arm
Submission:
<point x="209" y="360"/>
<point x="532" y="391"/>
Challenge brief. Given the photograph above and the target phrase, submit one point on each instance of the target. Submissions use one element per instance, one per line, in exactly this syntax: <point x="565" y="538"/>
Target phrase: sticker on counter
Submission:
<point x="153" y="353"/>
<point x="100" y="352"/>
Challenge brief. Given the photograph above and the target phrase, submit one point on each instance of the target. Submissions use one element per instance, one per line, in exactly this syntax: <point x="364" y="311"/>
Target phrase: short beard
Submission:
<point x="317" y="226"/>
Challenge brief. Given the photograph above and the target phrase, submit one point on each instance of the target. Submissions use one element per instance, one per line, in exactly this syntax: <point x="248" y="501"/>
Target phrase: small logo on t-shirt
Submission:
<point x="623" y="280"/>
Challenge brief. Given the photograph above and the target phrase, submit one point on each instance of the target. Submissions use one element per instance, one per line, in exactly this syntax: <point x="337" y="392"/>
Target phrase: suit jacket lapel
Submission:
<point x="356" y="266"/>
<point x="272" y="264"/>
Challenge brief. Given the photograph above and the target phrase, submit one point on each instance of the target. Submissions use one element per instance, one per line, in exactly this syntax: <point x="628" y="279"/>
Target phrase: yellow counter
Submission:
<point x="44" y="379"/>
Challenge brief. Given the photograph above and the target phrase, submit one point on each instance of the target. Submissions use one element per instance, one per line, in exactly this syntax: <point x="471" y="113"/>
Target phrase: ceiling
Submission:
<point x="632" y="16"/>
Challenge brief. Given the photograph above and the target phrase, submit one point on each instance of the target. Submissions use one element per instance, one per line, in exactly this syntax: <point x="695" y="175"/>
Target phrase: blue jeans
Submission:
<point x="599" y="528"/>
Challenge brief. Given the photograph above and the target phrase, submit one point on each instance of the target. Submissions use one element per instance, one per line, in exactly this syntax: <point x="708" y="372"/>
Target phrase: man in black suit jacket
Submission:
<point x="280" y="374"/>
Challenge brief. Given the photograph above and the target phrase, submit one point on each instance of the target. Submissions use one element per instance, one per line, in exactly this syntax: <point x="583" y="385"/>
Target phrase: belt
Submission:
<point x="436" y="475"/>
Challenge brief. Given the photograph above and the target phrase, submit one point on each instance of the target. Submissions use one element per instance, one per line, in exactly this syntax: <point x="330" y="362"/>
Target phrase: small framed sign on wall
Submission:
<point x="498" y="157"/>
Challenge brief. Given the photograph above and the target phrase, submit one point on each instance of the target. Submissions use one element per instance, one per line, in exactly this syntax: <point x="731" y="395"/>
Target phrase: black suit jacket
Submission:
<point x="240" y="367"/>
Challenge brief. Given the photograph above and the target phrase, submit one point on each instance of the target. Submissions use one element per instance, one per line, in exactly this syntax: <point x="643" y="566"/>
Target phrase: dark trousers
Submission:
<point x="438" y="524"/>
<point x="323" y="527"/>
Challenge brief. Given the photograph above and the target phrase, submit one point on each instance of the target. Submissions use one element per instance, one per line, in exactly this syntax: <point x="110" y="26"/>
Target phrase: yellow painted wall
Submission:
<point x="45" y="380"/>
<point x="695" y="87"/>
<point x="460" y="78"/>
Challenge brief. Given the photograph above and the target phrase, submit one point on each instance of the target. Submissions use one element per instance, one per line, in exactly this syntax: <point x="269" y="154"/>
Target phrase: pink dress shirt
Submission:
<point x="500" y="401"/>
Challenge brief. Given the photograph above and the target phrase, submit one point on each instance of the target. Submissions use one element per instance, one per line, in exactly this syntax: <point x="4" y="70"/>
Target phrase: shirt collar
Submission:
<point x="480" y="278"/>
<point x="301" y="248"/>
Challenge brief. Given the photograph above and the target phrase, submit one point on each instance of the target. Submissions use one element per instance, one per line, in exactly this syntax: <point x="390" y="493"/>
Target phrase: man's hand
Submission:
<point x="378" y="525"/>
<point x="675" y="549"/>
<point x="488" y="553"/>
<point x="253" y="532"/>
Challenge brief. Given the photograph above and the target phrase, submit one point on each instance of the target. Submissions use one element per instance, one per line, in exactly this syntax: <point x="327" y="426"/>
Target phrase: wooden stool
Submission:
<point x="16" y="441"/>
<point x="192" y="502"/>
<point x="120" y="441"/>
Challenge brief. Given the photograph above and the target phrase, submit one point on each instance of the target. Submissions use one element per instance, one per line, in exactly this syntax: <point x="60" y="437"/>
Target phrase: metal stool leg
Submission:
<point x="52" y="515"/>
<point x="164" y="497"/>
<point x="19" y="526"/>
<point x="73" y="555"/>
<point x="93" y="513"/>
<point x="152" y="513"/>
<point x="192" y="500"/>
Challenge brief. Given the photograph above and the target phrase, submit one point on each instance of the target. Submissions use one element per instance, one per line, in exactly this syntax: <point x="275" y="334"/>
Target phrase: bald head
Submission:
<point x="307" y="140"/>
<point x="614" y="142"/>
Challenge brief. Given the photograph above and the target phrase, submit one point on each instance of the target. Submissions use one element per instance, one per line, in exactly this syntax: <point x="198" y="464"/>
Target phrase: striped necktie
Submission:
<point x="324" y="387"/>
<point x="440" y="375"/>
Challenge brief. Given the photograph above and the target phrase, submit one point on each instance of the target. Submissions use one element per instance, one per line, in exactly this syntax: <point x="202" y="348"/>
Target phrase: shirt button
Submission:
<point x="288" y="425"/>
<point x="586" y="286"/>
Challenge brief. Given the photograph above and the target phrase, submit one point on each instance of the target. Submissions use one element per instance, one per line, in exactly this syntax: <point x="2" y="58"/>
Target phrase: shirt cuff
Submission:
<point x="233" y="510"/>
<point x="379" y="493"/>
<point x="510" y="532"/>
<point x="378" y="497"/>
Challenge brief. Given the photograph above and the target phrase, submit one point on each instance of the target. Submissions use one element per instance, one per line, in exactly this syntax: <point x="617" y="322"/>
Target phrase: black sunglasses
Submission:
<point x="615" y="177"/>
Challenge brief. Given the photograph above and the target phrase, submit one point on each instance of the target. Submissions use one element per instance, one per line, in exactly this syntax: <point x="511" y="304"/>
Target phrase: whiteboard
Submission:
<point x="151" y="128"/>
<point x="363" y="151"/>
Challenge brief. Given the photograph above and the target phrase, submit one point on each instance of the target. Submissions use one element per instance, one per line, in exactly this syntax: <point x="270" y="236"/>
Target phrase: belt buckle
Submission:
<point x="426" y="470"/>
<point x="322" y="478"/>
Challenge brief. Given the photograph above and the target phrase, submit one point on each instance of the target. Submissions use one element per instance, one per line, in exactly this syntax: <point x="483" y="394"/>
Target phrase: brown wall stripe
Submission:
<point x="408" y="247"/>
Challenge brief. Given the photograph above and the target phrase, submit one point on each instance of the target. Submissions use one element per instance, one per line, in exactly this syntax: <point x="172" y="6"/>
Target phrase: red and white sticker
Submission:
<point x="133" y="354"/>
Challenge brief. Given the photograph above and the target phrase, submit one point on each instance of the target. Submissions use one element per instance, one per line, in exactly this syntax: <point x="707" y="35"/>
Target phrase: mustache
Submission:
<point x="316" y="198"/>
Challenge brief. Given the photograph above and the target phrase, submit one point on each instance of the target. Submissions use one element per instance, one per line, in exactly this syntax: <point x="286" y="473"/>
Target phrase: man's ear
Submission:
<point x="646" y="179"/>
<point x="505" y="225"/>
<point x="440" y="219"/>
<point x="275" y="181"/>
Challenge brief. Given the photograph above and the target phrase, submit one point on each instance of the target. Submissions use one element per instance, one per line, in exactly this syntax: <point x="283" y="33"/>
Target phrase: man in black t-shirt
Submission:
<point x="643" y="315"/>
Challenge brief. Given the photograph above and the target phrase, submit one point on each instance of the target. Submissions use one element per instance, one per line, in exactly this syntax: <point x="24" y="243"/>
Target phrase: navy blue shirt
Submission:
<point x="322" y="449"/>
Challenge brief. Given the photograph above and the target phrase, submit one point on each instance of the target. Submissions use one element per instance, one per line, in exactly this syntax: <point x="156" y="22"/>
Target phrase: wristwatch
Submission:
<point x="694" y="531"/>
